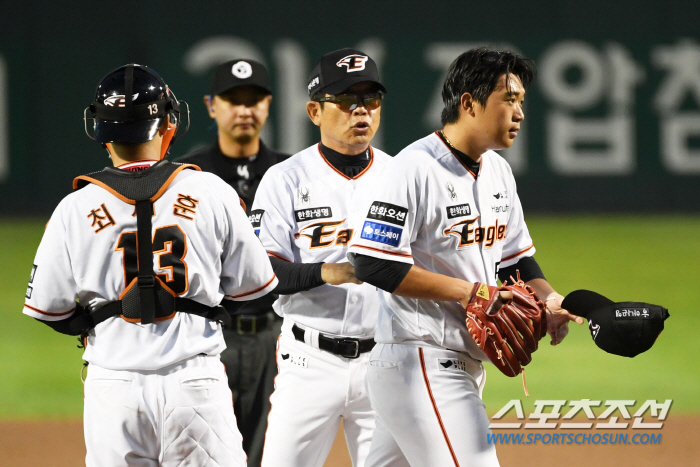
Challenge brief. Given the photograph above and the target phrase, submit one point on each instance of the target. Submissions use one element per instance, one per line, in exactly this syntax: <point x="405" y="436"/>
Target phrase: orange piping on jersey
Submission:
<point x="437" y="412"/>
<point x="63" y="313"/>
<point x="274" y="383"/>
<point x="253" y="291"/>
<point x="371" y="160"/>
<point x="242" y="203"/>
<point x="170" y="179"/>
<point x="140" y="161"/>
<point x="405" y="255"/>
<point x="458" y="159"/>
<point x="516" y="254"/>
<point x="279" y="257"/>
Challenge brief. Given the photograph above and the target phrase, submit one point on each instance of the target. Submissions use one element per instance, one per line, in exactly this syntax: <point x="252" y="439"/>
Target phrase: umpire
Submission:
<point x="239" y="102"/>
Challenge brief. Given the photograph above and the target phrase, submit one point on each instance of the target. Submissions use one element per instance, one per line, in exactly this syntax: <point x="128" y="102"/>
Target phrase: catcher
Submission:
<point x="435" y="236"/>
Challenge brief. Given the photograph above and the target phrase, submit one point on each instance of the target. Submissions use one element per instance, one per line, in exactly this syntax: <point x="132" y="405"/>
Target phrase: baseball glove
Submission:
<point x="507" y="331"/>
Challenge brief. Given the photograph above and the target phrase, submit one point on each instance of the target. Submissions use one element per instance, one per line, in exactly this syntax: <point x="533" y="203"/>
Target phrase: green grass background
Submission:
<point x="652" y="259"/>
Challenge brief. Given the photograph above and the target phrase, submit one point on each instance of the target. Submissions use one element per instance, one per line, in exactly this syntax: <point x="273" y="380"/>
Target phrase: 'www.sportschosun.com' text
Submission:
<point x="574" y="438"/>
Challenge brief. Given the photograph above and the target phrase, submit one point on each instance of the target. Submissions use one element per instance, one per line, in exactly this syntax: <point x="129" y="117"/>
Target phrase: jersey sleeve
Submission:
<point x="52" y="291"/>
<point x="271" y="216"/>
<point x="518" y="242"/>
<point x="387" y="219"/>
<point x="246" y="270"/>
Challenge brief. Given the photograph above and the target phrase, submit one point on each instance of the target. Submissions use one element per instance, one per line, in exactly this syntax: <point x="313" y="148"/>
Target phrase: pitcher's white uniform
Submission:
<point x="302" y="205"/>
<point x="425" y="376"/>
<point x="155" y="394"/>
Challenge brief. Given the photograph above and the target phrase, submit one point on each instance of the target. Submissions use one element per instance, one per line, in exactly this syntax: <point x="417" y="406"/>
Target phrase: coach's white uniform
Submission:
<point x="302" y="205"/>
<point x="156" y="394"/>
<point x="425" y="377"/>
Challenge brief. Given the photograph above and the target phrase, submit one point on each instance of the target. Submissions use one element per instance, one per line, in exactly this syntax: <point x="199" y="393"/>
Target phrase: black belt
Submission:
<point x="252" y="324"/>
<point x="347" y="347"/>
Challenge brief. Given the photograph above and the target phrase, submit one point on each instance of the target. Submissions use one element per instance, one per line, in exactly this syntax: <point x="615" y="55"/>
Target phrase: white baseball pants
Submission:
<point x="176" y="416"/>
<point x="428" y="408"/>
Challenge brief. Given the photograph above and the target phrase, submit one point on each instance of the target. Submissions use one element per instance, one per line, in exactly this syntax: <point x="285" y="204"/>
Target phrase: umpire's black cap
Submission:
<point x="240" y="72"/>
<point x="622" y="328"/>
<point x="340" y="69"/>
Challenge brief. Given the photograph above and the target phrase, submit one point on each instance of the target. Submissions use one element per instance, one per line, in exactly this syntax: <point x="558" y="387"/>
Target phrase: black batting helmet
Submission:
<point x="131" y="103"/>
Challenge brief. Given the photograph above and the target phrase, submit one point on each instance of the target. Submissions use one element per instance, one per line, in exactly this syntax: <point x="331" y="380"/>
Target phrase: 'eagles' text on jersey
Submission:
<point x="301" y="211"/>
<point x="432" y="211"/>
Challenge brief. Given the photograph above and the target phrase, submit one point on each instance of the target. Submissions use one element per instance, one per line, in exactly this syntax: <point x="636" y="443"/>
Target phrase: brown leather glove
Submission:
<point x="507" y="330"/>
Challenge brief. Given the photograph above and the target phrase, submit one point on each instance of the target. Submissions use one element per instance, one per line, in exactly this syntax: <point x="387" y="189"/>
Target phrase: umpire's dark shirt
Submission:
<point x="244" y="175"/>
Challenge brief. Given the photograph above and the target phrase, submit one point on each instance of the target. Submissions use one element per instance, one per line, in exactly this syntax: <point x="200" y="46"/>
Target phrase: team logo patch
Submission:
<point x="595" y="329"/>
<point x="381" y="233"/>
<point x="242" y="70"/>
<point x="313" y="213"/>
<point x="388" y="212"/>
<point x="29" y="291"/>
<point x="459" y="210"/>
<point x="255" y="217"/>
<point x="501" y="194"/>
<point x="118" y="100"/>
<point x="297" y="360"/>
<point x="31" y="276"/>
<point x="632" y="313"/>
<point x="353" y="62"/>
<point x="304" y="194"/>
<point x="451" y="364"/>
<point x="451" y="191"/>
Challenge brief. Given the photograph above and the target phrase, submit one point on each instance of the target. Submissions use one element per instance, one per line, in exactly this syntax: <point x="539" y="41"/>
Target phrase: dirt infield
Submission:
<point x="60" y="444"/>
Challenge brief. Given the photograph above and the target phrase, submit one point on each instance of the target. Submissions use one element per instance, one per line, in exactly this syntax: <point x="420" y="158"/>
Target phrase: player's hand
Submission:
<point x="558" y="318"/>
<point x="503" y="297"/>
<point x="339" y="273"/>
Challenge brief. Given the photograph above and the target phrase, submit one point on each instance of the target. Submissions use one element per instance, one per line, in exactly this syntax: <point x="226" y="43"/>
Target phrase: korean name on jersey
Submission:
<point x="432" y="211"/>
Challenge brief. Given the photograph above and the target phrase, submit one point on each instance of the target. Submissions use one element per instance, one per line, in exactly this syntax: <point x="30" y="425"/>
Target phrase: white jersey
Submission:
<point x="432" y="211"/>
<point x="301" y="210"/>
<point x="204" y="250"/>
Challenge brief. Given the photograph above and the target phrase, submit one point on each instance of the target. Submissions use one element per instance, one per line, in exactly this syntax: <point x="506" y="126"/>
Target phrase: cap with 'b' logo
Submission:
<point x="341" y="69"/>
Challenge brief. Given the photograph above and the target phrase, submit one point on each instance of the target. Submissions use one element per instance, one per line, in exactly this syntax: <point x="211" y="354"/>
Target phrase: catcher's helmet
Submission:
<point x="131" y="103"/>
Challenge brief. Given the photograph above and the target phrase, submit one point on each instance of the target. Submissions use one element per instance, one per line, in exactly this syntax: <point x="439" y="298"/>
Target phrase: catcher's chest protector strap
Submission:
<point x="145" y="300"/>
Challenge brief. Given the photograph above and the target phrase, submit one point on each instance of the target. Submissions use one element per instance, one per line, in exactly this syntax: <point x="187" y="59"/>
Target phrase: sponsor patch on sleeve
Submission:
<point x="31" y="276"/>
<point x="255" y="218"/>
<point x="381" y="233"/>
<point x="29" y="292"/>
<point x="388" y="212"/>
<point x="313" y="213"/>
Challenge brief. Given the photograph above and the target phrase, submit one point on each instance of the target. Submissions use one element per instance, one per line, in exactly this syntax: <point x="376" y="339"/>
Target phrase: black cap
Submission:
<point x="339" y="70"/>
<point x="240" y="72"/>
<point x="622" y="328"/>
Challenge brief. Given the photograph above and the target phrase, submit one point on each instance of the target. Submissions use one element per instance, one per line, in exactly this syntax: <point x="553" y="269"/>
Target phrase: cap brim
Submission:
<point x="140" y="131"/>
<point x="582" y="302"/>
<point x="344" y="85"/>
<point x="216" y="92"/>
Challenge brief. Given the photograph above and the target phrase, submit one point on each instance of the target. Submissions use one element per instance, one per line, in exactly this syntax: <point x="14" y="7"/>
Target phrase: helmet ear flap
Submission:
<point x="168" y="138"/>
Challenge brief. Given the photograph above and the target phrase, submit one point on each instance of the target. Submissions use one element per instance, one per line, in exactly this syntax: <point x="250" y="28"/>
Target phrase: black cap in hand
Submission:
<point x="622" y="328"/>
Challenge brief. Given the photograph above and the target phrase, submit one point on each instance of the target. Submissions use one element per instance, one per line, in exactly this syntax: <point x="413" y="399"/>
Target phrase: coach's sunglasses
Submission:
<point x="349" y="102"/>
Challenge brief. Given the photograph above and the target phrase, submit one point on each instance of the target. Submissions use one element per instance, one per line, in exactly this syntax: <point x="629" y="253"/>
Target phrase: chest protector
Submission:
<point x="146" y="299"/>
